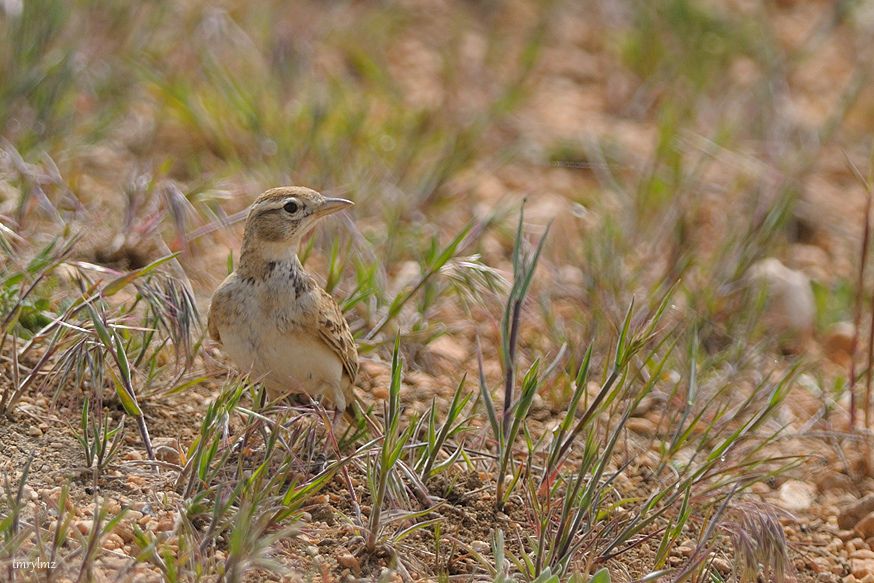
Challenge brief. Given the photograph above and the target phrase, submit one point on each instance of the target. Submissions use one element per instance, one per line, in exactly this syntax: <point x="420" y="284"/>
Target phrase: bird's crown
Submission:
<point x="288" y="212"/>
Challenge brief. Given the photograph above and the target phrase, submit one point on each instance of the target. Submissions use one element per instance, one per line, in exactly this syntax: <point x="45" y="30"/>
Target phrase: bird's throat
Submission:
<point x="261" y="259"/>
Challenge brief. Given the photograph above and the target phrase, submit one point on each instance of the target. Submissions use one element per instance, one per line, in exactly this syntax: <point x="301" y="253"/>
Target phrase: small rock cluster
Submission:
<point x="857" y="524"/>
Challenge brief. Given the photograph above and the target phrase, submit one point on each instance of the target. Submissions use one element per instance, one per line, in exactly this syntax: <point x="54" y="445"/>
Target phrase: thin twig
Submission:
<point x="857" y="313"/>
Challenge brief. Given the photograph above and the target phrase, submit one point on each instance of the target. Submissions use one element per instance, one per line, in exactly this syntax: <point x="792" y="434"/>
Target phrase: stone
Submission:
<point x="641" y="426"/>
<point x="125" y="528"/>
<point x="132" y="455"/>
<point x="796" y="495"/>
<point x="112" y="542"/>
<point x="349" y="561"/>
<point x="721" y="565"/>
<point x="125" y="531"/>
<point x="838" y="342"/>
<point x="865" y="527"/>
<point x="167" y="450"/>
<point x="861" y="567"/>
<point x="791" y="307"/>
<point x="834" y="481"/>
<point x="28" y="493"/>
<point x="850" y="516"/>
<point x="685" y="551"/>
<point x="480" y="546"/>
<point x="141" y="506"/>
<point x="645" y="406"/>
<point x="135" y="481"/>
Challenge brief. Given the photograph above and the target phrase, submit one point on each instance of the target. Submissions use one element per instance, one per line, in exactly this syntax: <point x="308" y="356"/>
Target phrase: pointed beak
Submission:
<point x="332" y="205"/>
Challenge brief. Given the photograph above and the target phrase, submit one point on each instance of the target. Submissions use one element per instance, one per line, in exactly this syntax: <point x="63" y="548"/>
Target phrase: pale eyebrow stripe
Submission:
<point x="275" y="205"/>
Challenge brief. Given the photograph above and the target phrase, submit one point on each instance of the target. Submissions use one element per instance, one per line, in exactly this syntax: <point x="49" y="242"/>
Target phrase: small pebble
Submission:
<point x="797" y="495"/>
<point x="791" y="308"/>
<point x="27" y="493"/>
<point x="349" y="561"/>
<point x="721" y="565"/>
<point x="865" y="527"/>
<point x="112" y="542"/>
<point x="850" y="515"/>
<point x="479" y="546"/>
<point x="685" y="551"/>
<point x="838" y="342"/>
<point x="641" y="426"/>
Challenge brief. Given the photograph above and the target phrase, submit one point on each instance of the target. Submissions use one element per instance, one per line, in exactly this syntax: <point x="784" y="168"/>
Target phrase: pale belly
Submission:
<point x="286" y="362"/>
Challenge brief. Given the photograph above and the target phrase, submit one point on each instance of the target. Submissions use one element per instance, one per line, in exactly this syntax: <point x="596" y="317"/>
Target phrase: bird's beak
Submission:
<point x="332" y="205"/>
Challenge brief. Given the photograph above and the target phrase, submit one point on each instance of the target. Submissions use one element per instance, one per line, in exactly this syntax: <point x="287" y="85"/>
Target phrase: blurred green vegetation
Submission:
<point x="124" y="121"/>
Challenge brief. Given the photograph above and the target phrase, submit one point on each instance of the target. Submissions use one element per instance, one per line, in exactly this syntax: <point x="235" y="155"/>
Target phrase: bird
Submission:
<point x="271" y="317"/>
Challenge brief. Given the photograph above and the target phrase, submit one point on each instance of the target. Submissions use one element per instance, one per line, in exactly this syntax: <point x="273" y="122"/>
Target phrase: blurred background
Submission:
<point x="671" y="125"/>
<point x="664" y="141"/>
<point x="690" y="147"/>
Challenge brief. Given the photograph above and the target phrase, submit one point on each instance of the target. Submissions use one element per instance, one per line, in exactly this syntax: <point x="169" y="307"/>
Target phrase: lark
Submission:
<point x="272" y="318"/>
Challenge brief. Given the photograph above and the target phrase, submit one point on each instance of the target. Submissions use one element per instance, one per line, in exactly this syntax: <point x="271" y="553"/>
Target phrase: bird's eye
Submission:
<point x="291" y="207"/>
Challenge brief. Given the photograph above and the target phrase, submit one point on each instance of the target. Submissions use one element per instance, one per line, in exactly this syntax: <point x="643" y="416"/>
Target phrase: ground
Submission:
<point x="660" y="151"/>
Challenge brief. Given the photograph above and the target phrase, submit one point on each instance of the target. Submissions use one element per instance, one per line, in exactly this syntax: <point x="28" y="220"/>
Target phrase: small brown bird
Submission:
<point x="272" y="318"/>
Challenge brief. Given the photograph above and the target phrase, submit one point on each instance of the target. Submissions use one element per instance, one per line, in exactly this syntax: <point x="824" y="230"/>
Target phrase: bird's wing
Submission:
<point x="220" y="305"/>
<point x="334" y="331"/>
<point x="211" y="324"/>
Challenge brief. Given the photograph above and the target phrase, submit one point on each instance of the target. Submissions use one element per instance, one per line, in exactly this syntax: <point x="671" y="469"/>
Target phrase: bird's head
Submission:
<point x="280" y="217"/>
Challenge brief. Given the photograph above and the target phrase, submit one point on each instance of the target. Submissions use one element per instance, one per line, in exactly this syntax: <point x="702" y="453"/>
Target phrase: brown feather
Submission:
<point x="211" y="325"/>
<point x="334" y="331"/>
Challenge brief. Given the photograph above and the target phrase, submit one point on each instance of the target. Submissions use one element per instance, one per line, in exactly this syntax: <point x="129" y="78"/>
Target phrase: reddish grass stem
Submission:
<point x="857" y="316"/>
<point x="866" y="404"/>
